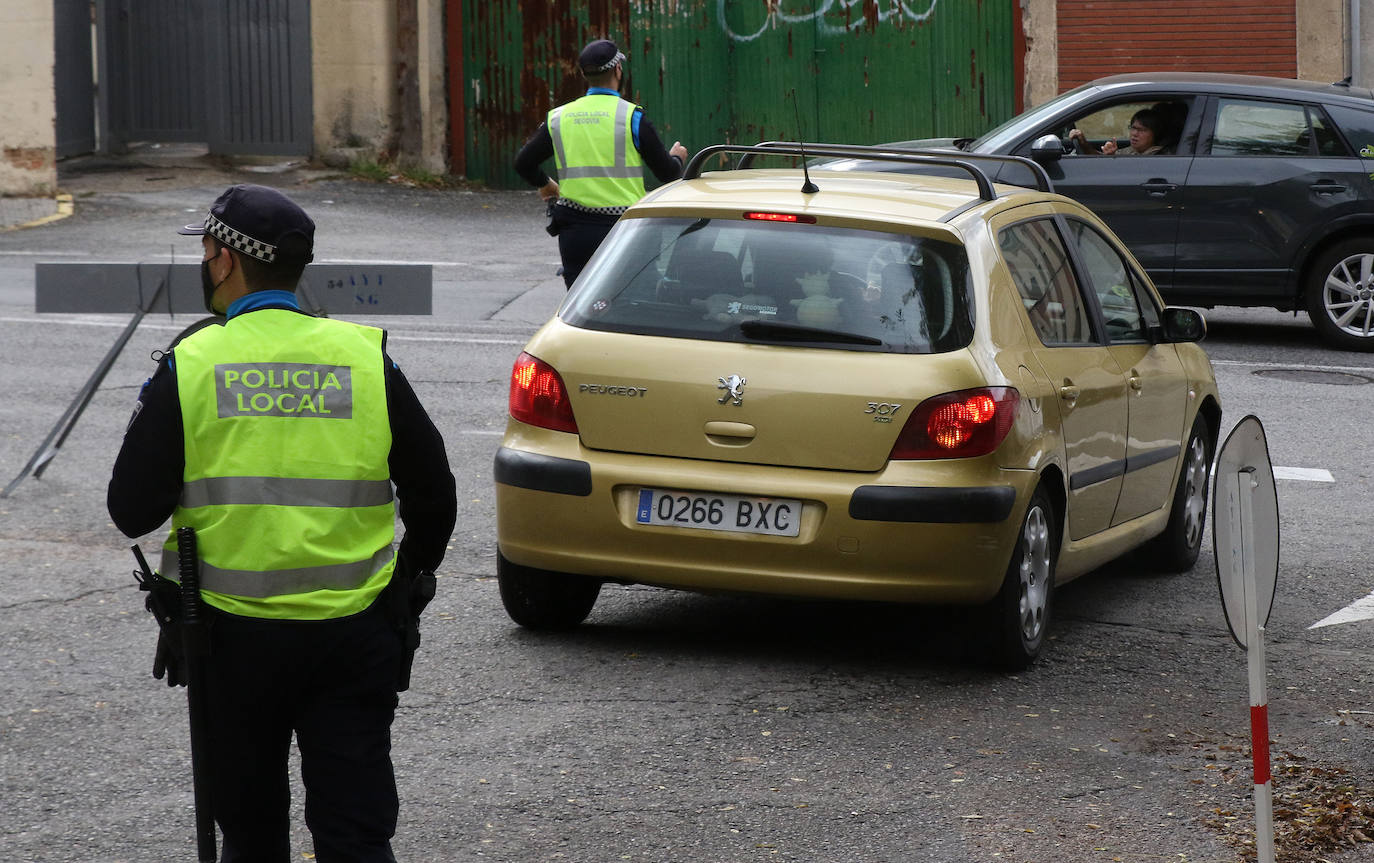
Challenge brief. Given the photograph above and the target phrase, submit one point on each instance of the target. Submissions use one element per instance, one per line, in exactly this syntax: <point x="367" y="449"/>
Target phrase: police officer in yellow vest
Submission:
<point x="278" y="437"/>
<point x="600" y="145"/>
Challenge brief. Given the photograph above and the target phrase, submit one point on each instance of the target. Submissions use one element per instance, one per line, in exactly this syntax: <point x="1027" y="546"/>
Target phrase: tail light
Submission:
<point x="958" y="425"/>
<point x="538" y="397"/>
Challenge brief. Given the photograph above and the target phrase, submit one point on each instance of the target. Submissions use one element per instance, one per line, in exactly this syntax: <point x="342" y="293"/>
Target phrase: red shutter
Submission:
<point x="1104" y="37"/>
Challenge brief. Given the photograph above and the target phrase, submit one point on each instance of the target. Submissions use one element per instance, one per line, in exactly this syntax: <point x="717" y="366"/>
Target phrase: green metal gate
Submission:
<point x="740" y="71"/>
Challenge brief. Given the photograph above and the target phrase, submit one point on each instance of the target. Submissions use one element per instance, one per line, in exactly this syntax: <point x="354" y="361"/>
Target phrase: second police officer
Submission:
<point x="600" y="145"/>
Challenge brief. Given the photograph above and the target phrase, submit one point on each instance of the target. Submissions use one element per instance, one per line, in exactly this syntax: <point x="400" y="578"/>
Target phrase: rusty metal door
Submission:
<point x="739" y="71"/>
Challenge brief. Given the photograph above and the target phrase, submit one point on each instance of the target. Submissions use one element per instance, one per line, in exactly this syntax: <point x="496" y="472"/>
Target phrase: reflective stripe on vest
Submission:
<point x="260" y="585"/>
<point x="284" y="491"/>
<point x="286" y="480"/>
<point x="594" y="153"/>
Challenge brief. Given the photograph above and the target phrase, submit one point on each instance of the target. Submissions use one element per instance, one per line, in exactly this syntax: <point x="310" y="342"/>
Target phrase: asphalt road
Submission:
<point x="675" y="727"/>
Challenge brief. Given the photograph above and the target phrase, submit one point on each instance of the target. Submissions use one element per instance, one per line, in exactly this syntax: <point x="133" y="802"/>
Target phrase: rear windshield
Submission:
<point x="753" y="281"/>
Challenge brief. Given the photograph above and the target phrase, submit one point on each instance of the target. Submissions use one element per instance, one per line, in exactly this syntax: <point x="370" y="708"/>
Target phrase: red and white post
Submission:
<point x="1259" y="694"/>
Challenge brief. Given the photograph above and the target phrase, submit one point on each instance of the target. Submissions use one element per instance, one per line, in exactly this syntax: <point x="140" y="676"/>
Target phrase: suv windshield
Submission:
<point x="762" y="281"/>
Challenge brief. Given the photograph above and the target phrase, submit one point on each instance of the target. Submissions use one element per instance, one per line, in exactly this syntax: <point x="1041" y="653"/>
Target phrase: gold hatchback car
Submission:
<point x="876" y="386"/>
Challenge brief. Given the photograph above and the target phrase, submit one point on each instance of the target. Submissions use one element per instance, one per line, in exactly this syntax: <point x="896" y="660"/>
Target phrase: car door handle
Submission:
<point x="1068" y="392"/>
<point x="1158" y="187"/>
<point x="1134" y="381"/>
<point x="1327" y="187"/>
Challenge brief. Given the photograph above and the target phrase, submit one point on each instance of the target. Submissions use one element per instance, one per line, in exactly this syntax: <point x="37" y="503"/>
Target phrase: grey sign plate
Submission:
<point x="1243" y="468"/>
<point x="341" y="290"/>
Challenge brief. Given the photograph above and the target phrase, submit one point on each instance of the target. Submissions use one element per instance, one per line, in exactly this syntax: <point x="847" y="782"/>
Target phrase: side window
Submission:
<point x="1249" y="128"/>
<point x="1112" y="123"/>
<point x="1039" y="265"/>
<point x="1113" y="282"/>
<point x="1325" y="136"/>
<point x="1356" y="126"/>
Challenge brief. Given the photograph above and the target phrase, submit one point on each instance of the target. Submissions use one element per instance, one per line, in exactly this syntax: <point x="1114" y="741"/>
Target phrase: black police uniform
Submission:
<point x="332" y="682"/>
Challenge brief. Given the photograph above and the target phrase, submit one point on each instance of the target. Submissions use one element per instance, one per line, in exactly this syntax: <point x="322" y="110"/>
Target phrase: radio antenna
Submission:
<point x="808" y="187"/>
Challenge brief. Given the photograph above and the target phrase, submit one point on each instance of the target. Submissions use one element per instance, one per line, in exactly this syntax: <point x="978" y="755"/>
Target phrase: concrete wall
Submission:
<point x="1323" y="48"/>
<point x="433" y="88"/>
<point x="354" y="43"/>
<point x="1040" y="20"/>
<point x="28" y="102"/>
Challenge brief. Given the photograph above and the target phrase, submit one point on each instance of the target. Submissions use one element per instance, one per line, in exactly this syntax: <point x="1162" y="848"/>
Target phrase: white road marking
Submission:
<point x="1366" y="370"/>
<point x="1360" y="609"/>
<point x="392" y="336"/>
<point x="1306" y="474"/>
<point x="387" y="261"/>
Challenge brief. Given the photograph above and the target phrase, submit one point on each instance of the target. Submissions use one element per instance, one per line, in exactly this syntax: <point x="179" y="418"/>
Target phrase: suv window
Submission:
<point x="1250" y="128"/>
<point x="1111" y="122"/>
<point x="1039" y="265"/>
<point x="747" y="280"/>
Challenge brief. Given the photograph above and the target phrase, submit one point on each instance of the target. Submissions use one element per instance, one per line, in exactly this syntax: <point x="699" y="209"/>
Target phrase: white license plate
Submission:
<point x="775" y="516"/>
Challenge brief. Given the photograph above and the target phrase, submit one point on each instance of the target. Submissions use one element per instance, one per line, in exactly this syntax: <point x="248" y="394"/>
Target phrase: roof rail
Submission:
<point x="965" y="161"/>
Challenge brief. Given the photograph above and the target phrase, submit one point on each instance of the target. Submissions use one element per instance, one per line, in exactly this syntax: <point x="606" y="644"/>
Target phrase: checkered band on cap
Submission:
<point x="239" y="241"/>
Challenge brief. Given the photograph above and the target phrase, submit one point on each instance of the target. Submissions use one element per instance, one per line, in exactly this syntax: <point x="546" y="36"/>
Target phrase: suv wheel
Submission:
<point x="1340" y="294"/>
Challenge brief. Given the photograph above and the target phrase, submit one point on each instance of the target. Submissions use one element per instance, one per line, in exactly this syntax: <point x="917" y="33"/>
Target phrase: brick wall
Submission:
<point x="1105" y="37"/>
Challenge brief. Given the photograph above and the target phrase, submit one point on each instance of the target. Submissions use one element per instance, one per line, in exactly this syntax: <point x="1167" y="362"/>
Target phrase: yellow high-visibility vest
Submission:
<point x="286" y="482"/>
<point x="594" y="152"/>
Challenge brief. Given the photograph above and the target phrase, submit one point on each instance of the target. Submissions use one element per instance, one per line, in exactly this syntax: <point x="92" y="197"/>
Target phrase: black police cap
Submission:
<point x="600" y="56"/>
<point x="262" y="223"/>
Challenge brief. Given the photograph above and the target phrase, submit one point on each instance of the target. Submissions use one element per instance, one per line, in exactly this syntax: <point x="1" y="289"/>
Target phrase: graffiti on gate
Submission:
<point x="827" y="13"/>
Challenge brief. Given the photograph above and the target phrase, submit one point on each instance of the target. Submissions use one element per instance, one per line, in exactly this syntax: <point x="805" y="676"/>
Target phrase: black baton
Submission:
<point x="196" y="647"/>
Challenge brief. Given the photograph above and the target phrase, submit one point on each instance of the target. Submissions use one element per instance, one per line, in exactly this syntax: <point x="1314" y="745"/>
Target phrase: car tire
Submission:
<point x="540" y="599"/>
<point x="1176" y="549"/>
<point x="1021" y="611"/>
<point x="1340" y="294"/>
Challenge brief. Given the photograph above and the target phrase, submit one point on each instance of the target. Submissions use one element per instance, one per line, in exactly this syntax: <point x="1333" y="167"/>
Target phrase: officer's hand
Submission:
<point x="168" y="661"/>
<point x="678" y="150"/>
<point x="549" y="191"/>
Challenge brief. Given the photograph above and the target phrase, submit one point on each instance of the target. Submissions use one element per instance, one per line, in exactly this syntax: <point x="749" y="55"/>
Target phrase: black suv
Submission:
<point x="1261" y="193"/>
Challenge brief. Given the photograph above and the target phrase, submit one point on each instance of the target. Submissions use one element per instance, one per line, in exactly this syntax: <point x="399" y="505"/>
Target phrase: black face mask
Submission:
<point x="207" y="287"/>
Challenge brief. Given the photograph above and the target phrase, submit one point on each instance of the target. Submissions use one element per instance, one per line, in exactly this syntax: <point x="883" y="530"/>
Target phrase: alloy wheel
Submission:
<point x="1195" y="491"/>
<point x="1348" y="295"/>
<point x="1034" y="573"/>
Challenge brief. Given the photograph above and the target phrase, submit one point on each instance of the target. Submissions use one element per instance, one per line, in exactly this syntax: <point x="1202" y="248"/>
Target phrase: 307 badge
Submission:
<point x="882" y="412"/>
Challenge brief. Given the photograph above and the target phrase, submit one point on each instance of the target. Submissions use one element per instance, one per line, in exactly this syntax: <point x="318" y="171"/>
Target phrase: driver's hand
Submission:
<point x="1075" y="134"/>
<point x="1108" y="147"/>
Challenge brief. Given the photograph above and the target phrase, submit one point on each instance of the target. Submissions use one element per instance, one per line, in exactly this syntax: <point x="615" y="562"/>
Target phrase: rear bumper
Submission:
<point x="901" y="538"/>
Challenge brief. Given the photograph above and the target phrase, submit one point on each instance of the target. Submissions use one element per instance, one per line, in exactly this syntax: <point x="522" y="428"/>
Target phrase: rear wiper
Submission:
<point x="798" y="333"/>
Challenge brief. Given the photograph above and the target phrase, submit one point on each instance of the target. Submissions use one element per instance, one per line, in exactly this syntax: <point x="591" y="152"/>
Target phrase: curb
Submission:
<point x="65" y="208"/>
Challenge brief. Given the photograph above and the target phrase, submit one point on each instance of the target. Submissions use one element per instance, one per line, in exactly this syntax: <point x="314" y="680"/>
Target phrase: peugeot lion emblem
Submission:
<point x="734" y="390"/>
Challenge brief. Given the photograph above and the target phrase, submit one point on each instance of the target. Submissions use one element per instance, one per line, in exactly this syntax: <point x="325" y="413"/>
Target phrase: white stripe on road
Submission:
<point x="1306" y="474"/>
<point x="1368" y="370"/>
<point x="1360" y="609"/>
<point x="391" y="335"/>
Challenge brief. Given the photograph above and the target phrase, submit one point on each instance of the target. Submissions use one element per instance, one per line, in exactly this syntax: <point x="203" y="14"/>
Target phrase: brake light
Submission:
<point x="961" y="424"/>
<point x="538" y="397"/>
<point x="781" y="217"/>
